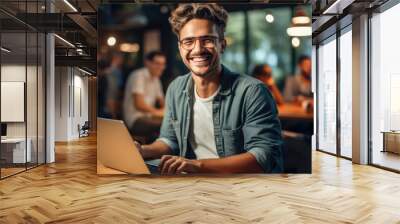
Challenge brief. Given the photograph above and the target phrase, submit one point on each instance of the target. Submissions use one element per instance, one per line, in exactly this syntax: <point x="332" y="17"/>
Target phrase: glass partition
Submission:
<point x="22" y="88"/>
<point x="14" y="153"/>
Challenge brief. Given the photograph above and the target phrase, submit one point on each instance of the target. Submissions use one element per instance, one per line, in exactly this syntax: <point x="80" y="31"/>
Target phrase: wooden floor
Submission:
<point x="69" y="191"/>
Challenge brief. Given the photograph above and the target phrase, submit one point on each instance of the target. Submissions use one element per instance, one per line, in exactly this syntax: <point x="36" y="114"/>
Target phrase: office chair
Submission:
<point x="84" y="130"/>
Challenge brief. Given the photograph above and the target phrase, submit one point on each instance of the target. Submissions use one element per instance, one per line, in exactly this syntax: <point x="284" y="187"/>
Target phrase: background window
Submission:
<point x="346" y="94"/>
<point x="269" y="42"/>
<point x="327" y="96"/>
<point x="234" y="55"/>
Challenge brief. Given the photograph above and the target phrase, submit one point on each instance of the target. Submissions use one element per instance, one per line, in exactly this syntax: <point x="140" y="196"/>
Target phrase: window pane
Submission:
<point x="327" y="97"/>
<point x="234" y="56"/>
<point x="269" y="42"/>
<point x="346" y="94"/>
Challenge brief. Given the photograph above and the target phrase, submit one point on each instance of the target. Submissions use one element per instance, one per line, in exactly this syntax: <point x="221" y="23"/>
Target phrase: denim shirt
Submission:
<point x="244" y="116"/>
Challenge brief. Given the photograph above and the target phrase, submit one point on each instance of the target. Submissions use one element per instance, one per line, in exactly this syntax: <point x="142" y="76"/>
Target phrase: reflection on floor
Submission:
<point x="10" y="171"/>
<point x="70" y="191"/>
<point x="387" y="159"/>
<point x="13" y="169"/>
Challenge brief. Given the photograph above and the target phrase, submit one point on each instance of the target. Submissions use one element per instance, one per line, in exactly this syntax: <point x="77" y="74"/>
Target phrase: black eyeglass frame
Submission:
<point x="201" y="39"/>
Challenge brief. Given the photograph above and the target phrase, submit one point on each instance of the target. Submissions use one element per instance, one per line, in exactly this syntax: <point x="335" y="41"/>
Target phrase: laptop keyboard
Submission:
<point x="153" y="165"/>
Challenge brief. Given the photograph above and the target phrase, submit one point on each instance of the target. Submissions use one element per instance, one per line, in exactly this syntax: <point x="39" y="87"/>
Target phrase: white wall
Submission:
<point x="61" y="103"/>
<point x="12" y="73"/>
<point x="71" y="94"/>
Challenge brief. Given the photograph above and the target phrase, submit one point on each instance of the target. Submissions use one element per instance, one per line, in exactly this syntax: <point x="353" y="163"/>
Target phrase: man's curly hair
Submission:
<point x="186" y="12"/>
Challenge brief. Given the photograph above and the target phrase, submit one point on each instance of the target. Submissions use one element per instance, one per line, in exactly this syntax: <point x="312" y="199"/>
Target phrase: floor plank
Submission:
<point x="69" y="191"/>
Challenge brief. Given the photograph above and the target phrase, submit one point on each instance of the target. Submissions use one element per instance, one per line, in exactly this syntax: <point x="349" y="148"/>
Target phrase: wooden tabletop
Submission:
<point x="294" y="111"/>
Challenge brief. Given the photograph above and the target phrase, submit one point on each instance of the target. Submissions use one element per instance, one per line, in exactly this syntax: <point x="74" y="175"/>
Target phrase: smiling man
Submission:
<point x="216" y="121"/>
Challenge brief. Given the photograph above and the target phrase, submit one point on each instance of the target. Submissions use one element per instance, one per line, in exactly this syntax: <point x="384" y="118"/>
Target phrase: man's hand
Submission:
<point x="170" y="165"/>
<point x="158" y="113"/>
<point x="153" y="151"/>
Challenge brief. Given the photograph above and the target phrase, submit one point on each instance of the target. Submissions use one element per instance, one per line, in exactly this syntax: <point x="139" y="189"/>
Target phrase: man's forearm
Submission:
<point x="242" y="163"/>
<point x="142" y="106"/>
<point x="155" y="150"/>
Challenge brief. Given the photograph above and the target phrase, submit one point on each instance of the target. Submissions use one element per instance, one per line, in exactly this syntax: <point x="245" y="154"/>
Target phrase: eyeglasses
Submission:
<point x="205" y="41"/>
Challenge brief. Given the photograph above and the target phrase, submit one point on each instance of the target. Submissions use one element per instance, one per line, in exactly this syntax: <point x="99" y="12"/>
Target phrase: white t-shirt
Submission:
<point x="202" y="138"/>
<point x="140" y="81"/>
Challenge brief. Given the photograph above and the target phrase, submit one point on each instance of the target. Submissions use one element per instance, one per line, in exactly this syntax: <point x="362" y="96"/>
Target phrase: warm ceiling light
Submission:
<point x="301" y="20"/>
<point x="64" y="40"/>
<point x="111" y="41"/>
<point x="129" y="48"/>
<point x="269" y="18"/>
<point x="5" y="50"/>
<point x="299" y="31"/>
<point x="70" y="5"/>
<point x="295" y="42"/>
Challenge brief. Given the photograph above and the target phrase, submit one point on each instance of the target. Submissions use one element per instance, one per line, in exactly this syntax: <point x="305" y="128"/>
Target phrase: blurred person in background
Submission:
<point x="144" y="98"/>
<point x="298" y="87"/>
<point x="115" y="83"/>
<point x="263" y="72"/>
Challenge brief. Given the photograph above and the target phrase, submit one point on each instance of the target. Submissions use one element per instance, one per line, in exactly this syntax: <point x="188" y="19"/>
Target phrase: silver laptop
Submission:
<point x="116" y="149"/>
